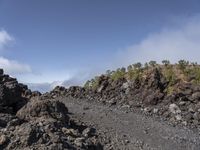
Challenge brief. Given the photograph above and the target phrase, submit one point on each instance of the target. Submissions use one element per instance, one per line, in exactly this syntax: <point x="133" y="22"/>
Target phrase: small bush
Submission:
<point x="87" y="84"/>
<point x="135" y="74"/>
<point x="170" y="75"/>
<point x="129" y="68"/>
<point x="120" y="73"/>
<point x="194" y="74"/>
<point x="182" y="65"/>
<point x="170" y="90"/>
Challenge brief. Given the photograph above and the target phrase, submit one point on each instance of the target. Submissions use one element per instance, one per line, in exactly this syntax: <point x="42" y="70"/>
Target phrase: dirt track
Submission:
<point x="132" y="130"/>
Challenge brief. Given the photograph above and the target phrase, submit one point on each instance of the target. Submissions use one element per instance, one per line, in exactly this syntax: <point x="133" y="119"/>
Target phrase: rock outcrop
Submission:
<point x="29" y="122"/>
<point x="45" y="124"/>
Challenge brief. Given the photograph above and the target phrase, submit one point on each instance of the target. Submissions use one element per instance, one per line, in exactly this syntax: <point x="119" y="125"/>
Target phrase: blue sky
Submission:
<point x="69" y="41"/>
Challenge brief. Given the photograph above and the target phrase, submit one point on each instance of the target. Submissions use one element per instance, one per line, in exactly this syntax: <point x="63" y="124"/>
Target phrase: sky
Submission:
<point x="65" y="42"/>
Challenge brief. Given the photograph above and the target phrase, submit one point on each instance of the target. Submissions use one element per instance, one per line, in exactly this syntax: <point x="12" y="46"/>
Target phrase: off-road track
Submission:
<point x="131" y="130"/>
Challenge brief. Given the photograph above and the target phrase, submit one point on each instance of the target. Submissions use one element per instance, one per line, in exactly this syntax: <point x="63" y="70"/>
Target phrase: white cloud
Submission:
<point x="14" y="67"/>
<point x="173" y="43"/>
<point x="5" y="38"/>
<point x="11" y="67"/>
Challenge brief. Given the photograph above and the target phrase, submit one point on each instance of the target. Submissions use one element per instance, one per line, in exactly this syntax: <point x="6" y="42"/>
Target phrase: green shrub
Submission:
<point x="146" y="66"/>
<point x="129" y="68"/>
<point x="135" y="74"/>
<point x="170" y="75"/>
<point x="169" y="90"/>
<point x="119" y="73"/>
<point x="95" y="82"/>
<point x="194" y="74"/>
<point x="87" y="84"/>
<point x="108" y="73"/>
<point x="182" y="64"/>
<point x="92" y="84"/>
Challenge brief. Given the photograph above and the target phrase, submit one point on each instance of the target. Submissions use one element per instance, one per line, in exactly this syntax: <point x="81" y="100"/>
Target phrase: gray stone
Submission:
<point x="173" y="108"/>
<point x="125" y="85"/>
<point x="182" y="103"/>
<point x="191" y="110"/>
<point x="196" y="116"/>
<point x="79" y="142"/>
<point x="178" y="117"/>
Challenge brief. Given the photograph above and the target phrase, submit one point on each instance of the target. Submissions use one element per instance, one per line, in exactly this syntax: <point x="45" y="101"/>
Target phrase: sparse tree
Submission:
<point x="123" y="69"/>
<point x="137" y="65"/>
<point x="194" y="63"/>
<point x="129" y="68"/>
<point x="146" y="65"/>
<point x="166" y="62"/>
<point x="182" y="64"/>
<point x="152" y="63"/>
<point x="108" y="72"/>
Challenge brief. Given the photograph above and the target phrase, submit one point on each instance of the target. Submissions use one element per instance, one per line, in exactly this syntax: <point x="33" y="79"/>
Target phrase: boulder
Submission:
<point x="44" y="109"/>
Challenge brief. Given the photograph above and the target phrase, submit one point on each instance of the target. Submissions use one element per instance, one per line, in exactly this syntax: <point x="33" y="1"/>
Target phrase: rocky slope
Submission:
<point x="179" y="103"/>
<point x="27" y="122"/>
<point x="31" y="120"/>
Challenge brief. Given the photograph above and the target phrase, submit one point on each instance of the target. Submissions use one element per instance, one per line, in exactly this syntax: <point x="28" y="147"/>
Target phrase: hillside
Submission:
<point x="151" y="106"/>
<point x="168" y="90"/>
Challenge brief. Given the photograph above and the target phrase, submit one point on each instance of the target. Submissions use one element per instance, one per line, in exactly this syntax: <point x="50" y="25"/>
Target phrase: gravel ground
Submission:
<point x="127" y="130"/>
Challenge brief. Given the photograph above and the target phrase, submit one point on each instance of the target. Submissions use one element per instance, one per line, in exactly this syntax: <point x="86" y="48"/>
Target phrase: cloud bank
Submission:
<point x="12" y="67"/>
<point x="179" y="41"/>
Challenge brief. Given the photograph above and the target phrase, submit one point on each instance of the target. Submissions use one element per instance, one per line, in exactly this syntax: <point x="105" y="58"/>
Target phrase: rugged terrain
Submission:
<point x="150" y="107"/>
<point x="27" y="122"/>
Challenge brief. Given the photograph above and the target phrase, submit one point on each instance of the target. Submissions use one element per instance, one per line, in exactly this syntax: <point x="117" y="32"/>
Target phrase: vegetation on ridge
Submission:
<point x="183" y="71"/>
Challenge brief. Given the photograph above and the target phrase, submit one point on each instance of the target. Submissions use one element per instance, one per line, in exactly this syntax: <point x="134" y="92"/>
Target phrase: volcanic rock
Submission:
<point x="29" y="120"/>
<point x="44" y="109"/>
